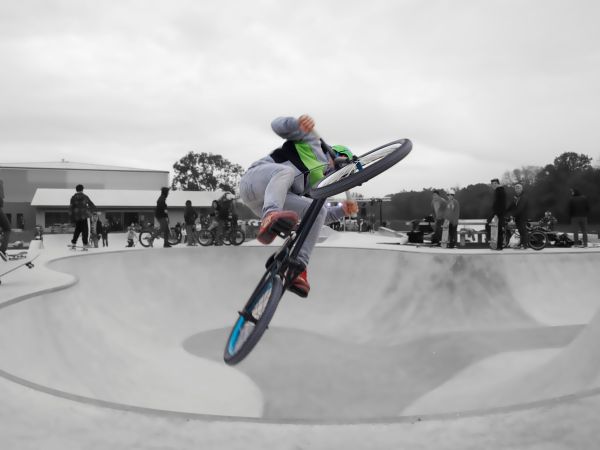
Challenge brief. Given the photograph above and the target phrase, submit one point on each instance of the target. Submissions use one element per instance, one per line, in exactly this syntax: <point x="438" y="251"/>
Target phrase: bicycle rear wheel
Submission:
<point x="174" y="237"/>
<point x="205" y="237"/>
<point x="254" y="319"/>
<point x="537" y="240"/>
<point x="146" y="239"/>
<point x="362" y="169"/>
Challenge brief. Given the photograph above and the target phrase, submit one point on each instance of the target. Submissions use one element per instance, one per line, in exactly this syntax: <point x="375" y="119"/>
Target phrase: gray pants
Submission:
<point x="580" y="223"/>
<point x="266" y="187"/>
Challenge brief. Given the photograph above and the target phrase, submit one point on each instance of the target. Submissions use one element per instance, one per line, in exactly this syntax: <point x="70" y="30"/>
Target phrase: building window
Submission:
<point x="9" y="217"/>
<point x="20" y="221"/>
<point x="56" y="219"/>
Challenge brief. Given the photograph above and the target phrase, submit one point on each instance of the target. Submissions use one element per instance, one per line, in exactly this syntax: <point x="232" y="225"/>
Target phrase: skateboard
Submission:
<point x="7" y="268"/>
<point x="16" y="256"/>
<point x="445" y="227"/>
<point x="494" y="233"/>
<point x="75" y="247"/>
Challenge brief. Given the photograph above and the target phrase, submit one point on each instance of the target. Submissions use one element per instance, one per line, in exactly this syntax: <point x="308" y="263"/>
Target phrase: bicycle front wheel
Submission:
<point x="237" y="237"/>
<point x="146" y="239"/>
<point x="537" y="240"/>
<point x="205" y="237"/>
<point x="254" y="319"/>
<point x="362" y="169"/>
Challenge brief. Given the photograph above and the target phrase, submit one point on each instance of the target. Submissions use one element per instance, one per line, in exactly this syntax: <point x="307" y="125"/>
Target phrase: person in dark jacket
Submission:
<point x="162" y="215"/>
<point x="81" y="210"/>
<point x="4" y="225"/>
<point x="189" y="216"/>
<point x="498" y="210"/>
<point x="519" y="208"/>
<point x="579" y="209"/>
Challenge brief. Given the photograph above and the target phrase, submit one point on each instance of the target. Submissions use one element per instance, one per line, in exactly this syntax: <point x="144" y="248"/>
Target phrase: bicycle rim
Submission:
<point x="173" y="237"/>
<point x="237" y="237"/>
<point x="254" y="319"/>
<point x="146" y="239"/>
<point x="205" y="238"/>
<point x="362" y="169"/>
<point x="537" y="240"/>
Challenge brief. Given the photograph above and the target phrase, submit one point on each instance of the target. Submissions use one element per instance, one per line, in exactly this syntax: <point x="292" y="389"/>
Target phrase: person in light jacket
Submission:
<point x="452" y="214"/>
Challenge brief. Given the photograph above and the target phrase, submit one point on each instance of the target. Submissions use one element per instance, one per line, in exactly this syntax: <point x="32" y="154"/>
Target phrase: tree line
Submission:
<point x="546" y="187"/>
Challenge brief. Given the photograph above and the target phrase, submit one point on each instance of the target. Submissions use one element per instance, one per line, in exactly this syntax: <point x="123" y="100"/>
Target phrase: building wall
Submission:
<point x="20" y="186"/>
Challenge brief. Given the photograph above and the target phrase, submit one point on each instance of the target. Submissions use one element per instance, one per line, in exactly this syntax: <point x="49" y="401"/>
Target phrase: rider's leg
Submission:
<point x="300" y="205"/>
<point x="264" y="189"/>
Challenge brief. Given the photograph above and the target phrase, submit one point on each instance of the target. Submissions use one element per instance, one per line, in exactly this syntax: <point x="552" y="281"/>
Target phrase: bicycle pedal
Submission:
<point x="283" y="227"/>
<point x="295" y="268"/>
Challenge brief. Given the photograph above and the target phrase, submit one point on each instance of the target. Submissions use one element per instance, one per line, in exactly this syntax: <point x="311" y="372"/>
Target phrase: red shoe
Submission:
<point x="300" y="285"/>
<point x="276" y="223"/>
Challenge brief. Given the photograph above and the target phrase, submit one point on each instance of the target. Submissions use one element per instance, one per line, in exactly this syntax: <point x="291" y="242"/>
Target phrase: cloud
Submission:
<point x="480" y="88"/>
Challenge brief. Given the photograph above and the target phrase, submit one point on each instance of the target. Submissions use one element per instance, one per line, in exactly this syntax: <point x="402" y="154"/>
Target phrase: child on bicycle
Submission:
<point x="275" y="186"/>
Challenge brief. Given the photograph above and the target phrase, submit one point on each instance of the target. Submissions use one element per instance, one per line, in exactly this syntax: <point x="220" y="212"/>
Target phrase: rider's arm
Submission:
<point x="338" y="212"/>
<point x="292" y="128"/>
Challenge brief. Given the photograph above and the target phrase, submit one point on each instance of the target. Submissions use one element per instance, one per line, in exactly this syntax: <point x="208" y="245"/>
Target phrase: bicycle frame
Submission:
<point x="284" y="256"/>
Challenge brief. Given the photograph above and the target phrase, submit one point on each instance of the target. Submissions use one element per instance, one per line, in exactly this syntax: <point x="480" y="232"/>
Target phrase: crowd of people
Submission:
<point x="508" y="215"/>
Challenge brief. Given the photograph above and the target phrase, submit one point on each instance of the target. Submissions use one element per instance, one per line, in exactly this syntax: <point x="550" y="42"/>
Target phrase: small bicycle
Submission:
<point x="283" y="266"/>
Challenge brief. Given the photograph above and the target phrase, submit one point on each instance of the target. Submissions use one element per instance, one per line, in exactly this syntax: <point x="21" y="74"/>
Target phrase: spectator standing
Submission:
<point x="162" y="215"/>
<point x="519" y="208"/>
<point x="452" y="214"/>
<point x="131" y="235"/>
<point x="81" y="207"/>
<point x="579" y="208"/>
<point x="4" y="225"/>
<point x="94" y="229"/>
<point x="189" y="216"/>
<point x="498" y="211"/>
<point x="438" y="204"/>
<point x="548" y="221"/>
<point x="103" y="231"/>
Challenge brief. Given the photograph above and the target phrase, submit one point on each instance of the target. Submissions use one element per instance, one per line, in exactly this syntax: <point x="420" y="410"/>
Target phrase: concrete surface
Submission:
<point x="396" y="346"/>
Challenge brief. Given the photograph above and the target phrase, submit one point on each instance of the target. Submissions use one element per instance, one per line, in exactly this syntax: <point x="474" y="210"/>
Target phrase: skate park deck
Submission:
<point x="395" y="346"/>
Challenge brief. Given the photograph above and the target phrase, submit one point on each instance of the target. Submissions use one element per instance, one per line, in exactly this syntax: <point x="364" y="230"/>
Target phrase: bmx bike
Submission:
<point x="283" y="266"/>
<point x="231" y="235"/>
<point x="148" y="235"/>
<point x="537" y="237"/>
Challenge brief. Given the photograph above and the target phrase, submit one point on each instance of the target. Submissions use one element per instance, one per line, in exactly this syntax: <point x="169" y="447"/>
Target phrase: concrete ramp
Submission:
<point x="384" y="333"/>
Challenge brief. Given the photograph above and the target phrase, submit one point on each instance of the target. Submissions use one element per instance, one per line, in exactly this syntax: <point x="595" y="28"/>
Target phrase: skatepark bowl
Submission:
<point x="388" y="336"/>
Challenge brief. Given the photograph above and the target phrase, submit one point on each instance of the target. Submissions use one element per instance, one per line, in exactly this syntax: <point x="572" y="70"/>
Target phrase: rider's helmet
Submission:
<point x="228" y="196"/>
<point x="342" y="150"/>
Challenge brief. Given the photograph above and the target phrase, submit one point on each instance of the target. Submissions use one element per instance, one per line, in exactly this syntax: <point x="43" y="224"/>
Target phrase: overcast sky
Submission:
<point x="479" y="86"/>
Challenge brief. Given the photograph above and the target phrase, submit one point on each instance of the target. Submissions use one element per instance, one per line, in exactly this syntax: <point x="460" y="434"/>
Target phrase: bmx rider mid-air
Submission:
<point x="274" y="187"/>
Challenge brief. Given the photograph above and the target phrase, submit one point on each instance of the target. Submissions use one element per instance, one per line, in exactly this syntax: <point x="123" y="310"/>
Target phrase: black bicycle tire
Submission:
<point x="360" y="177"/>
<point x="233" y="235"/>
<point x="174" y="237"/>
<point x="208" y="242"/>
<point x="143" y="242"/>
<point x="532" y="239"/>
<point x="262" y="323"/>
